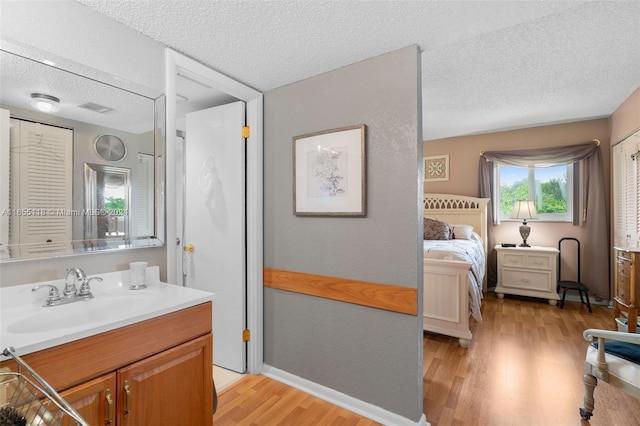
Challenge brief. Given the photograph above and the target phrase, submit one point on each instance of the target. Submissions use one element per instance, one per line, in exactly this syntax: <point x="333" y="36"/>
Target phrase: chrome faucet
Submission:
<point x="71" y="293"/>
<point x="74" y="275"/>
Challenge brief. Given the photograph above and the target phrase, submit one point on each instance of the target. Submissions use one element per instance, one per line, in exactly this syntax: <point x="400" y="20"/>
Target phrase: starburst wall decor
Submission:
<point x="436" y="168"/>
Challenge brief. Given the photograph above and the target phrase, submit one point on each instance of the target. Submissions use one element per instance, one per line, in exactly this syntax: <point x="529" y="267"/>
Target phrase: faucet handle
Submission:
<point x="54" y="293"/>
<point x="85" y="289"/>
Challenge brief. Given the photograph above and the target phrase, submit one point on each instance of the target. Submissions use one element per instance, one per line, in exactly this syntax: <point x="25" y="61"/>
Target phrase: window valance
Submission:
<point x="549" y="155"/>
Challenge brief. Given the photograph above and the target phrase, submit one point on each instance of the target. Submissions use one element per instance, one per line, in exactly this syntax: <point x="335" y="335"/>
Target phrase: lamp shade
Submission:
<point x="524" y="210"/>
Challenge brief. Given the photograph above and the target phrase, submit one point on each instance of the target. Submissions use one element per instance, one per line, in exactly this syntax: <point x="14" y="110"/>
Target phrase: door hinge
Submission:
<point x="246" y="131"/>
<point x="246" y="335"/>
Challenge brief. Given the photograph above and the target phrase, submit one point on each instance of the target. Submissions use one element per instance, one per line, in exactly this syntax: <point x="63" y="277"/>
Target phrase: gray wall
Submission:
<point x="88" y="41"/>
<point x="370" y="354"/>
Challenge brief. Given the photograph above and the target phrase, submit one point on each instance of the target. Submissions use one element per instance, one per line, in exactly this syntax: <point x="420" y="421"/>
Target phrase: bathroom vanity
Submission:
<point x="151" y="363"/>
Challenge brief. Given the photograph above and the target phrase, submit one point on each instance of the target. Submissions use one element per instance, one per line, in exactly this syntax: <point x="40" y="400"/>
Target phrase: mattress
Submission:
<point x="472" y="251"/>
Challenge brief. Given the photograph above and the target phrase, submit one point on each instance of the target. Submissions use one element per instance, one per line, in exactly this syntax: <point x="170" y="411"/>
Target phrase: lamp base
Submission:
<point x="525" y="230"/>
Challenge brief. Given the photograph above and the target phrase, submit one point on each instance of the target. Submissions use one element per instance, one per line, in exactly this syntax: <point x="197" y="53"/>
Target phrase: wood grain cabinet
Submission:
<point x="626" y="300"/>
<point x="166" y="388"/>
<point x="528" y="271"/>
<point x="155" y="372"/>
<point x="94" y="401"/>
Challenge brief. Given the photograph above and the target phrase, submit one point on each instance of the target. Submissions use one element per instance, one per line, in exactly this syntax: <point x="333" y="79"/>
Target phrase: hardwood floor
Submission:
<point x="259" y="400"/>
<point x="524" y="367"/>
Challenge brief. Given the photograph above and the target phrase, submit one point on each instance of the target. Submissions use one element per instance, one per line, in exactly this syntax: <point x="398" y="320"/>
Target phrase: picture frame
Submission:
<point x="329" y="172"/>
<point x="436" y="168"/>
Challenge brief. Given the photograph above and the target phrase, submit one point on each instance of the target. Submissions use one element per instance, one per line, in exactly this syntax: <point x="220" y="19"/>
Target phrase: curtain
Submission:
<point x="595" y="252"/>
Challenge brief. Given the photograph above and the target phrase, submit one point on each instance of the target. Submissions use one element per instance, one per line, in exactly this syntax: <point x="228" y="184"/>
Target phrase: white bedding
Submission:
<point x="471" y="251"/>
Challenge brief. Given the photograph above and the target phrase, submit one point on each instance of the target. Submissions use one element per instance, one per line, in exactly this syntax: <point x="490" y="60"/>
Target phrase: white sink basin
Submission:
<point x="81" y="313"/>
<point x="28" y="326"/>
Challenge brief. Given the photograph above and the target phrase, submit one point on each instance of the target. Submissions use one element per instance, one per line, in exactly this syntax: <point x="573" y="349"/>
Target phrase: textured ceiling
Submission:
<point x="20" y="77"/>
<point x="486" y="66"/>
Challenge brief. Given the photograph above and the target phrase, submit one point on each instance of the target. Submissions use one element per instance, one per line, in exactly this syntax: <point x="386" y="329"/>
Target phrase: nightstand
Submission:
<point x="528" y="271"/>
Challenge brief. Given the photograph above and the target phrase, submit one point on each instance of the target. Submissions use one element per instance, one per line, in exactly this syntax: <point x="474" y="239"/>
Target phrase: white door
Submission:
<point x="182" y="258"/>
<point x="215" y="223"/>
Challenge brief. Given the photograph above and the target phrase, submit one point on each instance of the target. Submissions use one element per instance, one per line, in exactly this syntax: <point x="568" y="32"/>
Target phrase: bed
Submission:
<point x="454" y="270"/>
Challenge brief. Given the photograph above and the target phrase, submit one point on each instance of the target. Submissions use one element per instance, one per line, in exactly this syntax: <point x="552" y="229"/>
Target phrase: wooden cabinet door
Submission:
<point x="174" y="387"/>
<point x="93" y="400"/>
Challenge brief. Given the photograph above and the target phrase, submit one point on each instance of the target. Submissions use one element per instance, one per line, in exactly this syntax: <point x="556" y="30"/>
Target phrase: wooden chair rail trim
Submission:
<point x="393" y="298"/>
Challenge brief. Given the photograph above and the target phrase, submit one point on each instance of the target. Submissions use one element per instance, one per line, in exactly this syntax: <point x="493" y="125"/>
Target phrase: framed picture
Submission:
<point x="436" y="168"/>
<point x="329" y="170"/>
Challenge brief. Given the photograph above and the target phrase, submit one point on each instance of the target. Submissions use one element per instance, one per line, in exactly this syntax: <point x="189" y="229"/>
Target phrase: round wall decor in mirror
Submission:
<point x="110" y="147"/>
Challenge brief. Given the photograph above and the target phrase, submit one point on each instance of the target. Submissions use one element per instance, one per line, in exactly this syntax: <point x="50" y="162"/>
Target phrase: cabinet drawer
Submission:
<point x="526" y="280"/>
<point x="623" y="266"/>
<point x="539" y="262"/>
<point x="623" y="289"/>
<point x="513" y="260"/>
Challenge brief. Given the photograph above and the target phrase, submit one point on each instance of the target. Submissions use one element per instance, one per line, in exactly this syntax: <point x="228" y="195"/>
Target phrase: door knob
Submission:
<point x="189" y="248"/>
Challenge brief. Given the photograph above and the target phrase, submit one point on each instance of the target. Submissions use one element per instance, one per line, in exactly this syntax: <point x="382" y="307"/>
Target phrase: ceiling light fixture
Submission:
<point x="45" y="103"/>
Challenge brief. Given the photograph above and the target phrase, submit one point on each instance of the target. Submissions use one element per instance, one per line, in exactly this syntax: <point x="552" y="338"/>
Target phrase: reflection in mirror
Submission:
<point x="107" y="195"/>
<point x="45" y="209"/>
<point x="39" y="175"/>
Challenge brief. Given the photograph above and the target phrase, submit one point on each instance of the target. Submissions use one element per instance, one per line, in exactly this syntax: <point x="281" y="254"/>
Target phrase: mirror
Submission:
<point x="84" y="173"/>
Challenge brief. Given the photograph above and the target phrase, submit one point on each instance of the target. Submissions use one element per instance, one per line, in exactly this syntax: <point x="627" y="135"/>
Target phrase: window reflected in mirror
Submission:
<point x="107" y="196"/>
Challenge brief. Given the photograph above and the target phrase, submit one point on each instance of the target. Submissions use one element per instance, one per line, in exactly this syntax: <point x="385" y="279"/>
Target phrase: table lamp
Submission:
<point x="524" y="210"/>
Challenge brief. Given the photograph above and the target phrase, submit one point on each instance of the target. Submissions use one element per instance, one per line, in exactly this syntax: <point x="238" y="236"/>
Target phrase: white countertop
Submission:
<point x="29" y="327"/>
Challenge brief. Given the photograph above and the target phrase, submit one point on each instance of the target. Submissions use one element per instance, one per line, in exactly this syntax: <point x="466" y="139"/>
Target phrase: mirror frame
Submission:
<point x="82" y="247"/>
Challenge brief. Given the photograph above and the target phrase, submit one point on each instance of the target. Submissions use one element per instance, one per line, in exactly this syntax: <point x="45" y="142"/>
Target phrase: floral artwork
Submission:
<point x="329" y="172"/>
<point x="436" y="168"/>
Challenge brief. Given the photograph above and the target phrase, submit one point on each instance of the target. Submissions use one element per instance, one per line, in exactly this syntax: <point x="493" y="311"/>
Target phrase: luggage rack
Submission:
<point x="32" y="398"/>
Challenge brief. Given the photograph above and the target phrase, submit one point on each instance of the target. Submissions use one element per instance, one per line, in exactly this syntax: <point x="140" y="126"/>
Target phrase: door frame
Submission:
<point x="174" y="63"/>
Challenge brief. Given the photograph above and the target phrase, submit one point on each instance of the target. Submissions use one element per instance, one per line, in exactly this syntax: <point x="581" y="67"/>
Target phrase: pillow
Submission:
<point x="461" y="232"/>
<point x="436" y="230"/>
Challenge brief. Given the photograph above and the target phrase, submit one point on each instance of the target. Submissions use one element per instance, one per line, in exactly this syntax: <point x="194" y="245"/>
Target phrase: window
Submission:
<point x="549" y="186"/>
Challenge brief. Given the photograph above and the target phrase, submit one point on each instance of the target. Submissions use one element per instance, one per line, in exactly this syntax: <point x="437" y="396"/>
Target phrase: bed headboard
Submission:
<point x="458" y="209"/>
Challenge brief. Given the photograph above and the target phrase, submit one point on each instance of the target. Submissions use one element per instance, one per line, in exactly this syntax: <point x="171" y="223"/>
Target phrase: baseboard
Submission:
<point x="573" y="297"/>
<point x="347" y="402"/>
<point x="576" y="298"/>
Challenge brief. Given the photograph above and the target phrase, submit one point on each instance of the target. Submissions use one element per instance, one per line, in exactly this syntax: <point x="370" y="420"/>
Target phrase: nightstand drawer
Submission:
<point x="535" y="281"/>
<point x="513" y="260"/>
<point x="539" y="262"/>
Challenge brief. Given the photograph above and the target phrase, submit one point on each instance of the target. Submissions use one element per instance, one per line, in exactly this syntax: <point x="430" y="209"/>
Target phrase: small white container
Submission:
<point x="137" y="272"/>
<point x="623" y="325"/>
